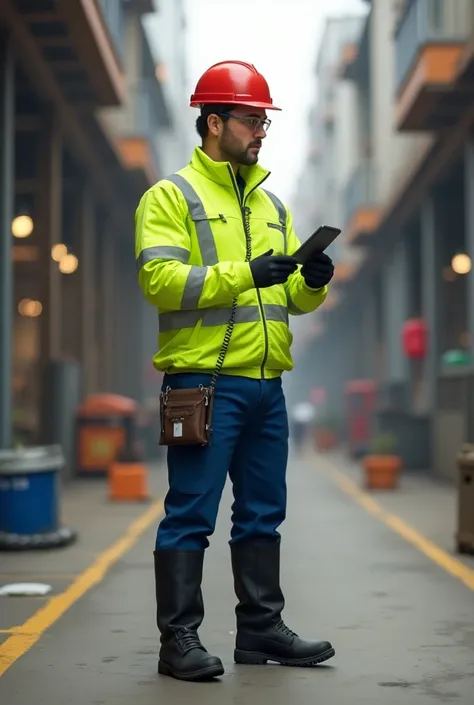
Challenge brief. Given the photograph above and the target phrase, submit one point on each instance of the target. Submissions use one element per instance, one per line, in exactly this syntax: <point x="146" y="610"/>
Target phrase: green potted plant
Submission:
<point x="382" y="465"/>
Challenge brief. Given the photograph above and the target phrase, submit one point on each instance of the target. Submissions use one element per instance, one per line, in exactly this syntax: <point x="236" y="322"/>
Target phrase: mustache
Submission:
<point x="255" y="144"/>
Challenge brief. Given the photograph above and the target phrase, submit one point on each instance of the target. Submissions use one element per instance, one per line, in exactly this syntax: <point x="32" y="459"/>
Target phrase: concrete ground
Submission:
<point x="402" y="622"/>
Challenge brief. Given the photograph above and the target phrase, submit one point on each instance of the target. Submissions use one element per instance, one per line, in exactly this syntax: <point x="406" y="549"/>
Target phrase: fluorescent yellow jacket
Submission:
<point x="190" y="247"/>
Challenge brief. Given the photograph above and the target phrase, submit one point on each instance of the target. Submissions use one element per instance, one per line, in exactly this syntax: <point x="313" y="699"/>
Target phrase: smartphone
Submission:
<point x="317" y="242"/>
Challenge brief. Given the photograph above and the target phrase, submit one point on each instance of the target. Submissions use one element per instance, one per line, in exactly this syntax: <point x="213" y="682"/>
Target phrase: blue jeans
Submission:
<point x="250" y="442"/>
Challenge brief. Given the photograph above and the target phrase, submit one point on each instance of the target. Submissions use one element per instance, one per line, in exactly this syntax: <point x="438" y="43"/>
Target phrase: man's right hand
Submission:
<point x="268" y="270"/>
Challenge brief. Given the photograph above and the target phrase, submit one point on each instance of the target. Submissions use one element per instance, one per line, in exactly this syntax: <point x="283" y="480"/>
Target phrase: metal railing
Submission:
<point x="360" y="190"/>
<point x="114" y="19"/>
<point x="423" y="21"/>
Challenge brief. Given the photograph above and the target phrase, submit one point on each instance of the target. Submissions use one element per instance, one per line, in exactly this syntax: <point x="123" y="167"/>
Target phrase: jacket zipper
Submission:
<point x="245" y="212"/>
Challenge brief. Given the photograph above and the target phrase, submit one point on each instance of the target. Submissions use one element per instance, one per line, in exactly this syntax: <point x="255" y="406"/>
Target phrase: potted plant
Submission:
<point x="382" y="466"/>
<point x="326" y="433"/>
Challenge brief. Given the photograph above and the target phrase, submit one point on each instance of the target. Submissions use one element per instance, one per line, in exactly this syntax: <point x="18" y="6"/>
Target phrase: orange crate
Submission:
<point x="128" y="482"/>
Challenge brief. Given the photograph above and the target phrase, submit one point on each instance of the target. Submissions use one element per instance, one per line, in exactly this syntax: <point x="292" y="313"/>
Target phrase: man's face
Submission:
<point x="241" y="138"/>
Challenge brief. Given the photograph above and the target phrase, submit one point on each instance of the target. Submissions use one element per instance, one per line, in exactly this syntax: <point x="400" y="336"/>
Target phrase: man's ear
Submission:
<point x="214" y="124"/>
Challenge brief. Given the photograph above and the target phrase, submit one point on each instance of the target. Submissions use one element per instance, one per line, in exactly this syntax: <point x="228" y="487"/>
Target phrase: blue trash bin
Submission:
<point x="30" y="498"/>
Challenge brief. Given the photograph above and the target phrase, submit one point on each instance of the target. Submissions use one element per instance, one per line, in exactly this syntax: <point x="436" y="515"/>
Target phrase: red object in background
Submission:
<point x="360" y="404"/>
<point x="415" y="338"/>
<point x="317" y="396"/>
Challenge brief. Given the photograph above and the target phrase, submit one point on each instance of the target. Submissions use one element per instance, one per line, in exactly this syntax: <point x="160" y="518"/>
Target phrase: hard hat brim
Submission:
<point x="249" y="104"/>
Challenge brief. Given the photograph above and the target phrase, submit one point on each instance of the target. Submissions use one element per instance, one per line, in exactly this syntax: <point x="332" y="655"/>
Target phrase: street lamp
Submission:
<point x="22" y="226"/>
<point x="68" y="264"/>
<point x="30" y="308"/>
<point x="461" y="263"/>
<point x="58" y="252"/>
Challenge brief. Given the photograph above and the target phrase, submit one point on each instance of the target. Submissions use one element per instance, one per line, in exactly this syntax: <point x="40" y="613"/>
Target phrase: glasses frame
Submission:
<point x="248" y="119"/>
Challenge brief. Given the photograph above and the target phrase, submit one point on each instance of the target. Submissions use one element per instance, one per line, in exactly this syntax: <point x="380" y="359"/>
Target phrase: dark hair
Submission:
<point x="215" y="109"/>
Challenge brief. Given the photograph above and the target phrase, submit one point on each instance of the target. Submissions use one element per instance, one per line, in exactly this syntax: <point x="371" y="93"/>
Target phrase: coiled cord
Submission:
<point x="230" y="326"/>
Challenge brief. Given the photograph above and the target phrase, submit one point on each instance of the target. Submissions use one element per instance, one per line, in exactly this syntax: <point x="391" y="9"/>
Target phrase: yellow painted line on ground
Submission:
<point x="411" y="535"/>
<point x="27" y="634"/>
<point x="30" y="578"/>
<point x="12" y="630"/>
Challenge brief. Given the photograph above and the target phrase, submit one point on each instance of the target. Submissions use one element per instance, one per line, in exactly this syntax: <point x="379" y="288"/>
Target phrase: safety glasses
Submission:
<point x="254" y="123"/>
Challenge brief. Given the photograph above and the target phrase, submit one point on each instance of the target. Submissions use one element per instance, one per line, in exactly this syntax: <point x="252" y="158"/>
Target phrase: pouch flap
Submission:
<point x="180" y="410"/>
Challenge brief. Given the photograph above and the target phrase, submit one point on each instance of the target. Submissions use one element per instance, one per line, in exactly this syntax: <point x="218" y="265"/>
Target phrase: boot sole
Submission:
<point x="257" y="658"/>
<point x="202" y="675"/>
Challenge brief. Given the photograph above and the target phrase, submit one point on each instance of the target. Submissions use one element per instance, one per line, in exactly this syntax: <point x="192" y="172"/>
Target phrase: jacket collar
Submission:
<point x="221" y="172"/>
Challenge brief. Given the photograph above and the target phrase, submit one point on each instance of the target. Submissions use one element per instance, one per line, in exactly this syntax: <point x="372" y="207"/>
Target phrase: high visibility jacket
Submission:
<point x="190" y="247"/>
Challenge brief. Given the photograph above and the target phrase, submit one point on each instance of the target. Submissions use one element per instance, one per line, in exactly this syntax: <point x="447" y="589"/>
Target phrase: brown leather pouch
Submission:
<point x="186" y="416"/>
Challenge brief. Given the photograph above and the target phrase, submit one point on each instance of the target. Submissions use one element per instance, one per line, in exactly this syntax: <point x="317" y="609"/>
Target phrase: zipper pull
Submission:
<point x="222" y="217"/>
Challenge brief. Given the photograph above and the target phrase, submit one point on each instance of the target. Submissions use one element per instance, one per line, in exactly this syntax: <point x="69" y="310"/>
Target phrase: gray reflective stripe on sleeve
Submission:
<point x="281" y="210"/>
<point x="180" y="254"/>
<point x="176" y="320"/>
<point x="275" y="312"/>
<point x="199" y="216"/>
<point x="193" y="287"/>
<point x="291" y="306"/>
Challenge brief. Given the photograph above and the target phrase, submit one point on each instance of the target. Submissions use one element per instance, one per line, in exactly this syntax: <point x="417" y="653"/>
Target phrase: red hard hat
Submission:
<point x="233" y="83"/>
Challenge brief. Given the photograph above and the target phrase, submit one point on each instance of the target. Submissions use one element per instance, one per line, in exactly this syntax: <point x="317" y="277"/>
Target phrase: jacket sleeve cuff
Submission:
<point x="309" y="290"/>
<point x="243" y="277"/>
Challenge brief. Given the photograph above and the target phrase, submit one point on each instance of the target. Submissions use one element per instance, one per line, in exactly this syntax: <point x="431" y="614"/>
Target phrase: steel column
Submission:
<point x="106" y="301"/>
<point x="430" y="294"/>
<point x="7" y="180"/>
<point x="88" y="295"/>
<point x="396" y="307"/>
<point x="469" y="220"/>
<point x="49" y="219"/>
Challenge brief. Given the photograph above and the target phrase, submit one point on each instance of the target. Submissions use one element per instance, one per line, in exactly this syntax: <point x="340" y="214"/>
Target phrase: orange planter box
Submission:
<point x="382" y="471"/>
<point x="128" y="482"/>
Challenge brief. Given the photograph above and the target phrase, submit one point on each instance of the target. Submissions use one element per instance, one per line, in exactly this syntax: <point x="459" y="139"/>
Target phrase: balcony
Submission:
<point x="136" y="126"/>
<point x="362" y="214"/>
<point x="80" y="41"/>
<point x="430" y="41"/>
<point x="347" y="266"/>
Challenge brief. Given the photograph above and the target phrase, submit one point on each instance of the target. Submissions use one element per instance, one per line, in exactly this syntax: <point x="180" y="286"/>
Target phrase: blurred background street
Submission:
<point x="376" y="137"/>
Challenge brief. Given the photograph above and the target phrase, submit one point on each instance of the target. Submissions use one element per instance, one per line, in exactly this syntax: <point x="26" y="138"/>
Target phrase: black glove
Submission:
<point x="267" y="270"/>
<point x="318" y="271"/>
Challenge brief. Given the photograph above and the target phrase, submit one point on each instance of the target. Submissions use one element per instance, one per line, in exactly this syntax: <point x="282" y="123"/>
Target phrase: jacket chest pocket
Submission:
<point x="277" y="237"/>
<point x="220" y="237"/>
<point x="267" y="234"/>
<point x="209" y="231"/>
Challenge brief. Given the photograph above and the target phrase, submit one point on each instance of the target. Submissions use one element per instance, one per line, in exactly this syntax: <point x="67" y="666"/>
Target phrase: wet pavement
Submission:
<point x="402" y="626"/>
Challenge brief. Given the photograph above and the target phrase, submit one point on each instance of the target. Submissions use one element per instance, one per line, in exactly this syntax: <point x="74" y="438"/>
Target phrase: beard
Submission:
<point x="233" y="150"/>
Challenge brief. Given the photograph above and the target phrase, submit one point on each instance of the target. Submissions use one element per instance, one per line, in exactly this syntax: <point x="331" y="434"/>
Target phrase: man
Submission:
<point x="204" y="237"/>
<point x="302" y="416"/>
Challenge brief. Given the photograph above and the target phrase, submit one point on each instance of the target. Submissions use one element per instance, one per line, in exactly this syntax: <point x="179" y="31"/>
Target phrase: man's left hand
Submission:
<point x="318" y="271"/>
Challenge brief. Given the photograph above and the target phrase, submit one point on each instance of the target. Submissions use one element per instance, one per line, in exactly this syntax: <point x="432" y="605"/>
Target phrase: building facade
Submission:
<point x="319" y="193"/>
<point x="408" y="217"/>
<point x="167" y="33"/>
<point x="83" y="107"/>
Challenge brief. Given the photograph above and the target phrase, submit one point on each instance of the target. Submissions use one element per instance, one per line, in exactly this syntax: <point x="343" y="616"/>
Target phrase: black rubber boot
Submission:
<point x="180" y="611"/>
<point x="261" y="633"/>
